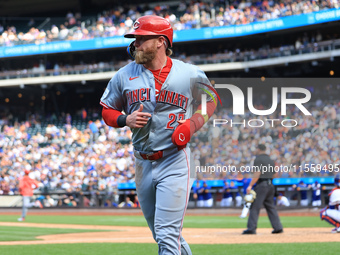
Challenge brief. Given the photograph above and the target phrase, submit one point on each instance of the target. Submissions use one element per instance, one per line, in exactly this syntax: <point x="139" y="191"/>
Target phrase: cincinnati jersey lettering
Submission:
<point x="173" y="98"/>
<point x="138" y="95"/>
<point x="165" y="96"/>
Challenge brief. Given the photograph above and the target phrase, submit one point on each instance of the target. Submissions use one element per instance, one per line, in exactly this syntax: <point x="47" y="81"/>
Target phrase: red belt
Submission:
<point x="158" y="154"/>
<point x="152" y="156"/>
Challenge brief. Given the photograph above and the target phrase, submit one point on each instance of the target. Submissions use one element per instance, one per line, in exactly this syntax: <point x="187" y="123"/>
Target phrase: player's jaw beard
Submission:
<point x="145" y="56"/>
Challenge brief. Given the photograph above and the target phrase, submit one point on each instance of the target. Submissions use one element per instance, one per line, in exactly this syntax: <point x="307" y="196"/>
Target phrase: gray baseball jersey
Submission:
<point x="134" y="84"/>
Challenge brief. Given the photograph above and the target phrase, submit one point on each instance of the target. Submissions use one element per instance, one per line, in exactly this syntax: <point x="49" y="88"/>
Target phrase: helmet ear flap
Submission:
<point x="131" y="50"/>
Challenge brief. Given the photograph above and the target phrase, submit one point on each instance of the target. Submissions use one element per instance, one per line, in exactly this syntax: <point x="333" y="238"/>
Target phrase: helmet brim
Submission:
<point x="139" y="32"/>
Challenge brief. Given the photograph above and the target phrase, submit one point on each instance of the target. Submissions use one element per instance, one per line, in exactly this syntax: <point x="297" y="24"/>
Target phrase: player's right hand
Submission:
<point x="138" y="119"/>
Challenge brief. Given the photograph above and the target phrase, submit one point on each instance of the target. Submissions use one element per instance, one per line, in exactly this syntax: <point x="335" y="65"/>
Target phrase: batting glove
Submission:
<point x="183" y="133"/>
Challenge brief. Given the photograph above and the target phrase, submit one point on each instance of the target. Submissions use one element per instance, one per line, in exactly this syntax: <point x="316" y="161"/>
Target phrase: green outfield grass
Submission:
<point x="149" y="249"/>
<point x="189" y="221"/>
<point x="9" y="233"/>
<point x="30" y="233"/>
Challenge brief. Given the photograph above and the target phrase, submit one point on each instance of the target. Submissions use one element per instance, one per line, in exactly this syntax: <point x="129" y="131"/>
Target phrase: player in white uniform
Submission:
<point x="227" y="198"/>
<point x="282" y="200"/>
<point x="158" y="95"/>
<point x="331" y="213"/>
<point x="316" y="186"/>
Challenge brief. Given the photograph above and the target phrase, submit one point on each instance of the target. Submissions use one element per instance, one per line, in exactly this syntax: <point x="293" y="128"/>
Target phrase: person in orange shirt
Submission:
<point x="26" y="185"/>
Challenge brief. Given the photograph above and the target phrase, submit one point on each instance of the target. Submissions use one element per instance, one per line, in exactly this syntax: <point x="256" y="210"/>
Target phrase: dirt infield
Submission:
<point x="125" y="234"/>
<point x="192" y="235"/>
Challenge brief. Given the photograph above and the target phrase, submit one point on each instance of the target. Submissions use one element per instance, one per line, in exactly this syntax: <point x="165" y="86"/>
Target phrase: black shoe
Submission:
<point x="277" y="231"/>
<point x="248" y="232"/>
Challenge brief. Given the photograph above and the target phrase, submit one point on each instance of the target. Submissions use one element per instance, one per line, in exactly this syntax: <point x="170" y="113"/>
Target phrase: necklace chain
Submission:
<point x="157" y="79"/>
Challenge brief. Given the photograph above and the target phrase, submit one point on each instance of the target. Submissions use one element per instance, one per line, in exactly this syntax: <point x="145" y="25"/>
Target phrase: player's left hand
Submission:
<point x="249" y="189"/>
<point x="182" y="134"/>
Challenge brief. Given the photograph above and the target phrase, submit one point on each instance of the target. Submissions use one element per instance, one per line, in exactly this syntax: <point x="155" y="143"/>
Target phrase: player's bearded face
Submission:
<point x="146" y="55"/>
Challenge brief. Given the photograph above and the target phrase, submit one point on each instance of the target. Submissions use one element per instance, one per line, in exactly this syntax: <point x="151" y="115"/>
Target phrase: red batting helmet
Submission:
<point x="27" y="171"/>
<point x="152" y="25"/>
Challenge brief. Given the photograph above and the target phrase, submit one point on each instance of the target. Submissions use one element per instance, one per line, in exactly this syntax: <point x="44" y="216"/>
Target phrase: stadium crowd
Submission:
<point x="310" y="42"/>
<point x="66" y="158"/>
<point x="196" y="14"/>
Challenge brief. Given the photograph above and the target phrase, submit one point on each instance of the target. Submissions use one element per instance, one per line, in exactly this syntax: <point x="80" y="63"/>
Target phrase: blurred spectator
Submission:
<point x="67" y="200"/>
<point x="316" y="198"/>
<point x="49" y="201"/>
<point x="94" y="129"/>
<point x="4" y="188"/>
<point x="227" y="197"/>
<point x="207" y="197"/>
<point x="236" y="195"/>
<point x="198" y="194"/>
<point x="84" y="114"/>
<point x="136" y="202"/>
<point x="282" y="200"/>
<point x="126" y="203"/>
<point x="301" y="187"/>
<point x="68" y="119"/>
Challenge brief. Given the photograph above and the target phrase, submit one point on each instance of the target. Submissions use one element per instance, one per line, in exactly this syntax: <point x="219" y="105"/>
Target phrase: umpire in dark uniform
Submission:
<point x="265" y="192"/>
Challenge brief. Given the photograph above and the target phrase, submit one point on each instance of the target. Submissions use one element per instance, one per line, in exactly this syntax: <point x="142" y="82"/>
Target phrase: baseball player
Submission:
<point x="331" y="213"/>
<point x="227" y="198"/>
<point x="282" y="200"/>
<point x="316" y="199"/>
<point x="207" y="197"/>
<point x="198" y="194"/>
<point x="246" y="205"/>
<point x="237" y="196"/>
<point x="302" y="187"/>
<point x="26" y="186"/>
<point x="155" y="96"/>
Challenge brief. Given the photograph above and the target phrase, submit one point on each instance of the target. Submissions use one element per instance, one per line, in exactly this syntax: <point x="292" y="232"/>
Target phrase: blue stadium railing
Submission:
<point x="276" y="182"/>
